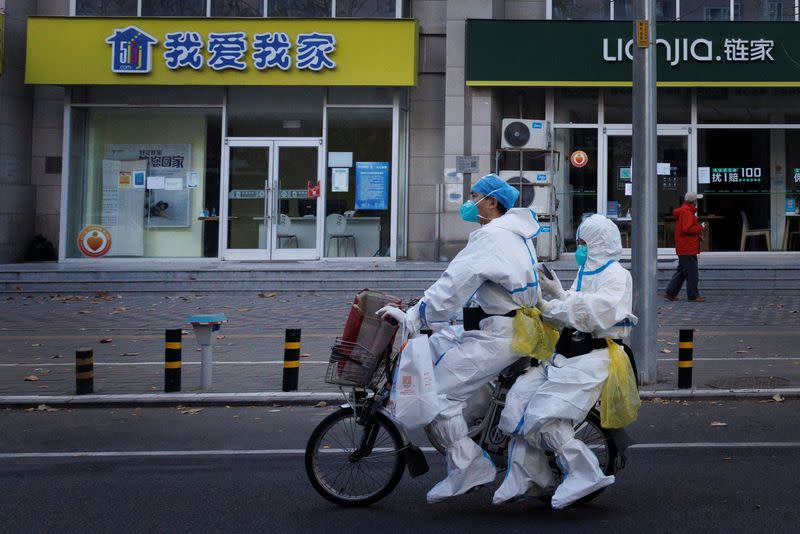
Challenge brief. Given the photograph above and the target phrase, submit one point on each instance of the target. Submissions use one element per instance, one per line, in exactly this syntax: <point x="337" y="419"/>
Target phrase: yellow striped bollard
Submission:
<point x="291" y="359"/>
<point x="685" y="352"/>
<point x="172" y="360"/>
<point x="84" y="372"/>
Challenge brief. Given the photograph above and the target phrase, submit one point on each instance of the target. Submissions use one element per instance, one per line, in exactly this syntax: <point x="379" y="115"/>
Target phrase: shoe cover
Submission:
<point x="582" y="474"/>
<point x="528" y="473"/>
<point x="468" y="466"/>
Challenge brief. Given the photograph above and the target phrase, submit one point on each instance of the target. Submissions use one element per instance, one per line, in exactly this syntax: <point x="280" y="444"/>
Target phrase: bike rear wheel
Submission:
<point x="349" y="479"/>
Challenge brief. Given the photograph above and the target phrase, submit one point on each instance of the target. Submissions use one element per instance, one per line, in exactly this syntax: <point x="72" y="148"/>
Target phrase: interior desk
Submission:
<point x="366" y="232"/>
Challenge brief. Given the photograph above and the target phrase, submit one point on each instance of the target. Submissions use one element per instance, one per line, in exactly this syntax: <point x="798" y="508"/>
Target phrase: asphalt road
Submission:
<point x="698" y="467"/>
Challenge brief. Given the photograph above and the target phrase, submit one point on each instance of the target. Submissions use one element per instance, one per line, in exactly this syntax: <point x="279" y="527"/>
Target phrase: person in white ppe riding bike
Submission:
<point x="545" y="404"/>
<point x="496" y="271"/>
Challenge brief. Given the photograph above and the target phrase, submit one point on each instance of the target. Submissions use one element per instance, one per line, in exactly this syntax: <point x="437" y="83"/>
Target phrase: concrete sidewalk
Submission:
<point x="746" y="343"/>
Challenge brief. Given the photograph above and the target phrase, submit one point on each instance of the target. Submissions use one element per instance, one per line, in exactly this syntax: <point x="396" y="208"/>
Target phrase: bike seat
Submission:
<point x="515" y="369"/>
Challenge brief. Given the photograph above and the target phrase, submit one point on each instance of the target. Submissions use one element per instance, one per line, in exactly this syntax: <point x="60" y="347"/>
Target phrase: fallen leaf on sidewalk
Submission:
<point x="54" y="357"/>
<point x="266" y="295"/>
<point x="129" y="354"/>
<point x="741" y="352"/>
<point x="670" y="343"/>
<point x="220" y="336"/>
<point x="777" y="397"/>
<point x="718" y="423"/>
<point x="83" y="312"/>
<point x="185" y="332"/>
<point x="106" y="340"/>
<point x="666" y="351"/>
<point x="45" y="408"/>
<point x="36" y="344"/>
<point x="305" y="355"/>
<point x="31" y="378"/>
<point x="273" y="411"/>
<point x="244" y="309"/>
<point x="191" y="411"/>
<point x="320" y="404"/>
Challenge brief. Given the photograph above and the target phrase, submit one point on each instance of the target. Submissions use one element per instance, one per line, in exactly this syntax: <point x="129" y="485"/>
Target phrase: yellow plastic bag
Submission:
<point x="532" y="337"/>
<point x="619" y="400"/>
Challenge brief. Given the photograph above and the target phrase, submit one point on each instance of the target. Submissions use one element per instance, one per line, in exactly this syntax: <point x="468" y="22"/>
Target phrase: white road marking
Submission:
<point x="297" y="452"/>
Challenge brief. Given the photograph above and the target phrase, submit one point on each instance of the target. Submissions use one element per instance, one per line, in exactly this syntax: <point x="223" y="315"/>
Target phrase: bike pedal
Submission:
<point x="415" y="461"/>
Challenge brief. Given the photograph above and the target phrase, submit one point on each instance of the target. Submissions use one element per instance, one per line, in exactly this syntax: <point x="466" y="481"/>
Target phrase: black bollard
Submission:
<point x="172" y="360"/>
<point x="685" y="352"/>
<point x="291" y="359"/>
<point x="84" y="372"/>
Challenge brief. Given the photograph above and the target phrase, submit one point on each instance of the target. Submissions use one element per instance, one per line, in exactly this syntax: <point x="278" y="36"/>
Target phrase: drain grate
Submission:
<point x="749" y="382"/>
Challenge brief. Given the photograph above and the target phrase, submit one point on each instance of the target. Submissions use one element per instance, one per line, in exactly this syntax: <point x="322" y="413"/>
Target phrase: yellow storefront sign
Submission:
<point x="178" y="51"/>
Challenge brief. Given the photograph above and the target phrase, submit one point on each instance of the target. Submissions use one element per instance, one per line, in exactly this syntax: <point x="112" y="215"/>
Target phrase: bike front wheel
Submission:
<point x="345" y="474"/>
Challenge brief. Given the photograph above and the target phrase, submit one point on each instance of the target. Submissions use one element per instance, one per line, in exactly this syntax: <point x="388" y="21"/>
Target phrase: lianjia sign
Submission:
<point x="600" y="53"/>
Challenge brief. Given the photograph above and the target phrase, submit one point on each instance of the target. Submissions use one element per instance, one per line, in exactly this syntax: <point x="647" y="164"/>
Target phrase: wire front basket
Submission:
<point x="352" y="365"/>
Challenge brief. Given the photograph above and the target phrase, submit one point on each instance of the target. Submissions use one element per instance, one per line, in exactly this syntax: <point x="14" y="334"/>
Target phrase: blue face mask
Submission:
<point x="469" y="209"/>
<point x="581" y="254"/>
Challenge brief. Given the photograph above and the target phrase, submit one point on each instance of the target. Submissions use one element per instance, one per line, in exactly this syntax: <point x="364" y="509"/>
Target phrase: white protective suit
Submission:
<point x="545" y="404"/>
<point x="497" y="271"/>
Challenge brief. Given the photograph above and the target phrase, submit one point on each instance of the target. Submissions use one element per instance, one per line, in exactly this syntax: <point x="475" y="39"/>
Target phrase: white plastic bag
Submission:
<point x="414" y="398"/>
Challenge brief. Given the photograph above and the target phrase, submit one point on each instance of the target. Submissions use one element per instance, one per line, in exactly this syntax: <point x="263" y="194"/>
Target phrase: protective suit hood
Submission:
<point x="602" y="239"/>
<point x="521" y="221"/>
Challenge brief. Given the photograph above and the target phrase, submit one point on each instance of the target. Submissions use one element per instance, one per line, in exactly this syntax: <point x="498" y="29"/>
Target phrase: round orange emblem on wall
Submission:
<point x="94" y="241"/>
<point x="579" y="158"/>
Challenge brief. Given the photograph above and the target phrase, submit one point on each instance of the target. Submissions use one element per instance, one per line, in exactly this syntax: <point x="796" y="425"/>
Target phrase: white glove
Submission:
<point x="391" y="311"/>
<point x="544" y="306"/>
<point x="551" y="289"/>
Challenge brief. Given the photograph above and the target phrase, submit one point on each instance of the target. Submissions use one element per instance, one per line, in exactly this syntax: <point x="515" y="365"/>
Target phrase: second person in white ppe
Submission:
<point x="496" y="270"/>
<point x="545" y="404"/>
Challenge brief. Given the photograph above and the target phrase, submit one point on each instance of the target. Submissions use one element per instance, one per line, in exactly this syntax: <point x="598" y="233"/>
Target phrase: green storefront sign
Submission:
<point x="598" y="53"/>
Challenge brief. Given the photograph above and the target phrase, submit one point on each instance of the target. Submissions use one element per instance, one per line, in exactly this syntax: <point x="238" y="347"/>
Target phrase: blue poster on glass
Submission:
<point x="372" y="185"/>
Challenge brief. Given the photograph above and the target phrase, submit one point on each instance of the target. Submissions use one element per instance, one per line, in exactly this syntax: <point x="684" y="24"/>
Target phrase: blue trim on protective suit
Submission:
<point x="422" y="319"/>
<point x="583" y="273"/>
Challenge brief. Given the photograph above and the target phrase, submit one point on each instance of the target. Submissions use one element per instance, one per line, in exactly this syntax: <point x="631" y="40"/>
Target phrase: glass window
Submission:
<point x="139" y="180"/>
<point x="576" y="181"/>
<point x="361" y="95"/>
<point x="359" y="200"/>
<point x="581" y="10"/>
<point x="237" y="8"/>
<point x="366" y="8"/>
<point x="674" y="105"/>
<point x="790" y="236"/>
<point x="734" y="177"/>
<point x="172" y="8"/>
<point x="709" y="10"/>
<point x="576" y="106"/>
<point x="106" y="8"/>
<point x="275" y="111"/>
<point x="767" y="10"/>
<point x="748" y="105"/>
<point x="617" y="105"/>
<point x="299" y="8"/>
<point x="624" y="9"/>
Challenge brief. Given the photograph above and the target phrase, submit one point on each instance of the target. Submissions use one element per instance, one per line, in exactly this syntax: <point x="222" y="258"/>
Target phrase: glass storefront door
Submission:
<point x="672" y="154"/>
<point x="272" y="190"/>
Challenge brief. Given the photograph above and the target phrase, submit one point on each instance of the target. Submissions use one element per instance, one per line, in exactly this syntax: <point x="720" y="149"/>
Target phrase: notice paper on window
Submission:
<point x="662" y="169"/>
<point x="156" y="182"/>
<point x="340" y="180"/>
<point x="703" y="175"/>
<point x="628" y="189"/>
<point x="173" y="184"/>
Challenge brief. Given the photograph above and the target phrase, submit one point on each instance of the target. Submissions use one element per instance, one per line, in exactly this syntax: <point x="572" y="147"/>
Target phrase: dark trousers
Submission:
<point x="686" y="271"/>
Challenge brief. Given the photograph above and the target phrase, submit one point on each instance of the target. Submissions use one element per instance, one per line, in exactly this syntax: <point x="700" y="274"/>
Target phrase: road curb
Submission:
<point x="311" y="398"/>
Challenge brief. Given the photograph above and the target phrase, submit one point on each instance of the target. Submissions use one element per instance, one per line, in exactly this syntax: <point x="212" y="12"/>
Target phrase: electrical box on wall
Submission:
<point x="526" y="134"/>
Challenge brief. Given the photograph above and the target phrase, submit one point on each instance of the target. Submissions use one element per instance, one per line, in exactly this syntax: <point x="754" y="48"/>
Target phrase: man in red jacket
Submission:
<point x="688" y="232"/>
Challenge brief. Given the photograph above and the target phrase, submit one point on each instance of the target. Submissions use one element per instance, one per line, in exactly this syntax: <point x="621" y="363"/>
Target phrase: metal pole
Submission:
<point x="644" y="249"/>
<point x="172" y="360"/>
<point x="84" y="372"/>
<point x="206" y="352"/>
<point x="685" y="353"/>
<point x="291" y="359"/>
